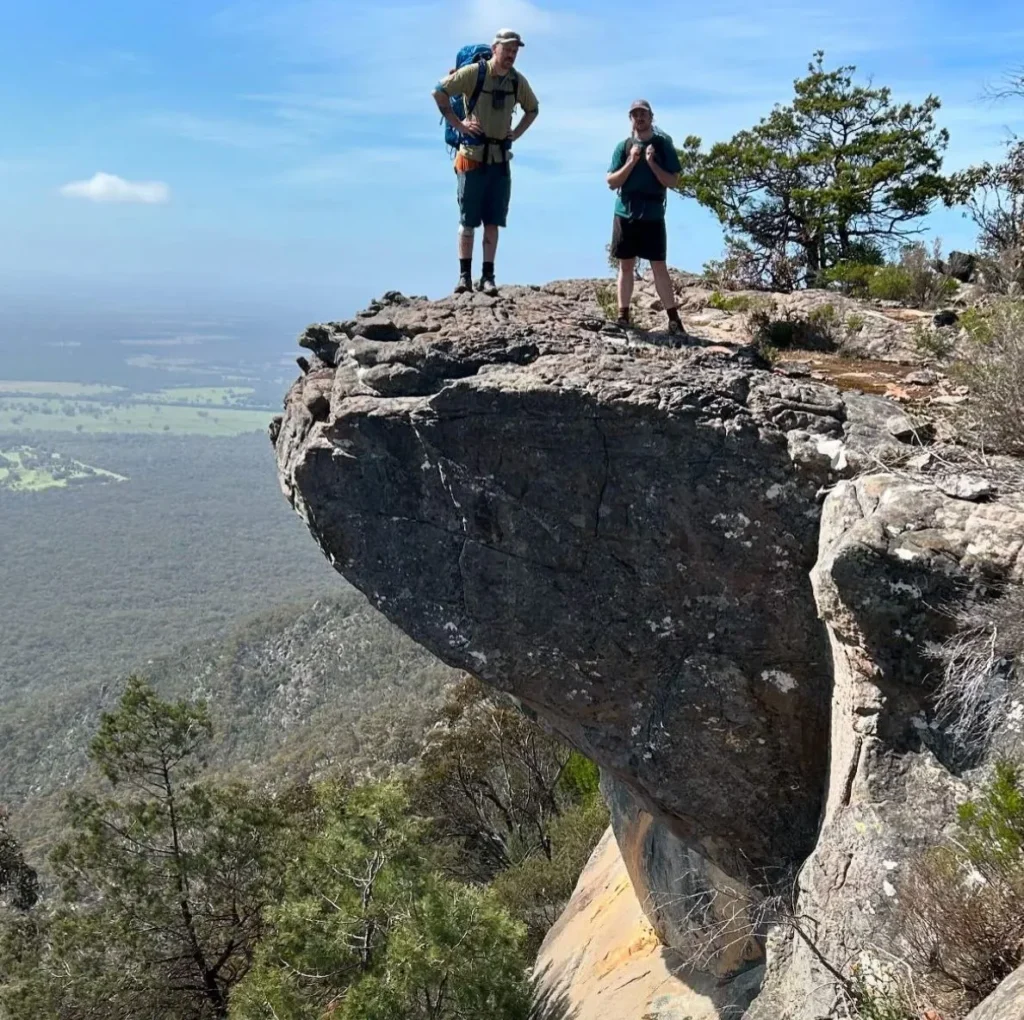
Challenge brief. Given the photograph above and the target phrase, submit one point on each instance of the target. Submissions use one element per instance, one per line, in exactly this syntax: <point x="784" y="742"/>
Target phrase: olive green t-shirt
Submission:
<point x="494" y="107"/>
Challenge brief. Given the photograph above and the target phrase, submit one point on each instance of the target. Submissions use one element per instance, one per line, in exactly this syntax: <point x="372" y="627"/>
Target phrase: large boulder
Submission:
<point x="629" y="539"/>
<point x="620" y="541"/>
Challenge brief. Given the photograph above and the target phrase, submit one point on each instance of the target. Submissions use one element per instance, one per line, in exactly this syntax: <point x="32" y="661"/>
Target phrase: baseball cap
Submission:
<point x="640" y="104"/>
<point x="506" y="35"/>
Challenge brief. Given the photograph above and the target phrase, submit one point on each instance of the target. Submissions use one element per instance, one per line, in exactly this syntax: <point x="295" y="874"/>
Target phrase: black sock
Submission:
<point x="624" y="314"/>
<point x="489" y="270"/>
<point x="673" y="315"/>
<point x="466" y="266"/>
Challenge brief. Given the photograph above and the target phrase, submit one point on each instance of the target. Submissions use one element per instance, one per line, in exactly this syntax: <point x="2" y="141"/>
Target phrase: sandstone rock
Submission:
<point x="648" y="504"/>
<point x="965" y="486"/>
<point x="910" y="430"/>
<point x="603" y="961"/>
<point x="922" y="377"/>
<point x="1005" y="1003"/>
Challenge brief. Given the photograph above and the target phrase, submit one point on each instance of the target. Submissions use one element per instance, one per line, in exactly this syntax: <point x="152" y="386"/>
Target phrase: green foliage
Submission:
<point x="730" y="303"/>
<point x="851" y="278"/>
<point x="537" y="889"/>
<point x="580" y="779"/>
<point x="890" y="283"/>
<point x="367" y="929"/>
<point x="855" y="322"/>
<point x="976" y="324"/>
<point x="994" y="372"/>
<point x="994" y="196"/>
<point x="607" y="299"/>
<point x="840" y="167"/>
<point x="161" y="890"/>
<point x="494" y="782"/>
<point x="994" y="826"/>
<point x="933" y="343"/>
<point x="963" y="903"/>
<point x="875" y="1004"/>
<point x="18" y="880"/>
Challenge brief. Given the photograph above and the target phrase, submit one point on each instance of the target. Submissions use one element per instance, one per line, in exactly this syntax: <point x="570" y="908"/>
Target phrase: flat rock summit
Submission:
<point x="718" y="578"/>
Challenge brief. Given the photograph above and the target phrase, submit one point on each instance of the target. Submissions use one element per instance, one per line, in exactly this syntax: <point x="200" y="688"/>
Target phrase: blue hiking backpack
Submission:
<point x="478" y="53"/>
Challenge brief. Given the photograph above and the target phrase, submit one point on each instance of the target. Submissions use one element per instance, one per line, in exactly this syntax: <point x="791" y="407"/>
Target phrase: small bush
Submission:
<point x="732" y="303"/>
<point x="994" y="372"/>
<point x="855" y="322"/>
<point x="745" y="268"/>
<point x="975" y="323"/>
<point x="851" y="278"/>
<point x="890" y="283"/>
<point x="933" y="343"/>
<point x="963" y="904"/>
<point x="773" y="330"/>
<point x="981" y="665"/>
<point x="607" y="300"/>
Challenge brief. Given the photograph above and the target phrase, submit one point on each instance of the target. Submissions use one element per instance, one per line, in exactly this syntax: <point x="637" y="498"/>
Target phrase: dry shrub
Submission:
<point x="994" y="371"/>
<point x="980" y="668"/>
<point x="963" y="903"/>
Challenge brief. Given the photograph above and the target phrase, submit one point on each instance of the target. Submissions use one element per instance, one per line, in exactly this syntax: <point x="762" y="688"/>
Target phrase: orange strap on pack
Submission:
<point x="463" y="164"/>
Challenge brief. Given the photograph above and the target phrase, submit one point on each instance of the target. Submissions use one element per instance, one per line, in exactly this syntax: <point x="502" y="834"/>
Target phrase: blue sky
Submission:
<point x="290" y="153"/>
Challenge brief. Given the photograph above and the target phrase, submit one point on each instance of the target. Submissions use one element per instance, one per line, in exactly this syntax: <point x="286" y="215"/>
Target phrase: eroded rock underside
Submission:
<point x="656" y="552"/>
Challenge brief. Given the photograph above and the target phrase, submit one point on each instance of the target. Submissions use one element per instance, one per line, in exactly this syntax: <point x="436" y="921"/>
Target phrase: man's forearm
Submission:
<point x="617" y="179"/>
<point x="525" y="121"/>
<point x="665" y="179"/>
<point x="445" y="106"/>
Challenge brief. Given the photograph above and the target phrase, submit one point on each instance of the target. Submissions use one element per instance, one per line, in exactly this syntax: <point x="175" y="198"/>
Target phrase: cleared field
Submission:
<point x="24" y="469"/>
<point x="57" y="389"/>
<point x="27" y="414"/>
<point x="210" y="396"/>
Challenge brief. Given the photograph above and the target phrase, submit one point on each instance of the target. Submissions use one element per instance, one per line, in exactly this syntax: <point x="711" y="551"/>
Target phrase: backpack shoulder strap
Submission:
<point x="481" y="77"/>
<point x="515" y="87"/>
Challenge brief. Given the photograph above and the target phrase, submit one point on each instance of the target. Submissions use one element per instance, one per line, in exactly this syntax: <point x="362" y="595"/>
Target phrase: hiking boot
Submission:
<point x="676" y="328"/>
<point x="623" y="322"/>
<point x="465" y="284"/>
<point x="487" y="286"/>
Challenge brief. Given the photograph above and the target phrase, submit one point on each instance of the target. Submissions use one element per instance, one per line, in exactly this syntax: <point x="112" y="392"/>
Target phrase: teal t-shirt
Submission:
<point x="641" y="197"/>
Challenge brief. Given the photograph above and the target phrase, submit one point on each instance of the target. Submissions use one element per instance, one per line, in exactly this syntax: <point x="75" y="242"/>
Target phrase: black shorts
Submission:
<point x="639" y="239"/>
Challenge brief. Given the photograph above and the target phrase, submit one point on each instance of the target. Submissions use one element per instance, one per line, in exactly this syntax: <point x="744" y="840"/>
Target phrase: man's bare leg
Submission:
<point x="663" y="285"/>
<point x="490" y="242"/>
<point x="465" y="283"/>
<point x="627" y="271"/>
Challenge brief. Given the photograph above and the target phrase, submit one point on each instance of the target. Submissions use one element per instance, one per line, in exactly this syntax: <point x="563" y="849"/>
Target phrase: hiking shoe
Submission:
<point x="465" y="284"/>
<point x="487" y="286"/>
<point x="623" y="323"/>
<point x="676" y="328"/>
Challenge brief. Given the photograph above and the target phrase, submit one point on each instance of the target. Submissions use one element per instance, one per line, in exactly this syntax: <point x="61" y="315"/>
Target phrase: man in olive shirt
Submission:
<point x="482" y="162"/>
<point x="643" y="167"/>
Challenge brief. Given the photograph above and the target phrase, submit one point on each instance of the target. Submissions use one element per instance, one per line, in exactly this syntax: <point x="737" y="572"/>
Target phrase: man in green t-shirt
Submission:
<point x="643" y="167"/>
<point x="485" y="181"/>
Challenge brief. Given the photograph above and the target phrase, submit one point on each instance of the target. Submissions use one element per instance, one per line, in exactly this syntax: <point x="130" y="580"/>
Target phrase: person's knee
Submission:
<point x="627" y="265"/>
<point x="466" y="232"/>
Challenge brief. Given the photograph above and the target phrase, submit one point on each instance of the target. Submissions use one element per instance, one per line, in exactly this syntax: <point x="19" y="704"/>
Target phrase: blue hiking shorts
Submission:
<point x="484" y="194"/>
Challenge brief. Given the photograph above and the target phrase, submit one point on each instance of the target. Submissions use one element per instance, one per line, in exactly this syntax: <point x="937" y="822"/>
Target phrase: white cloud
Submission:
<point x="103" y="187"/>
<point x="487" y="16"/>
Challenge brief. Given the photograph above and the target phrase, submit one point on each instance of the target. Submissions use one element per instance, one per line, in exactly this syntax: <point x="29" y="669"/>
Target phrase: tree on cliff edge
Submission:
<point x="840" y="171"/>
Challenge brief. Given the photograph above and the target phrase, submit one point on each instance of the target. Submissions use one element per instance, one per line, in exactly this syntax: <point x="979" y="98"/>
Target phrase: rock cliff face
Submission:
<point x="656" y="552"/>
